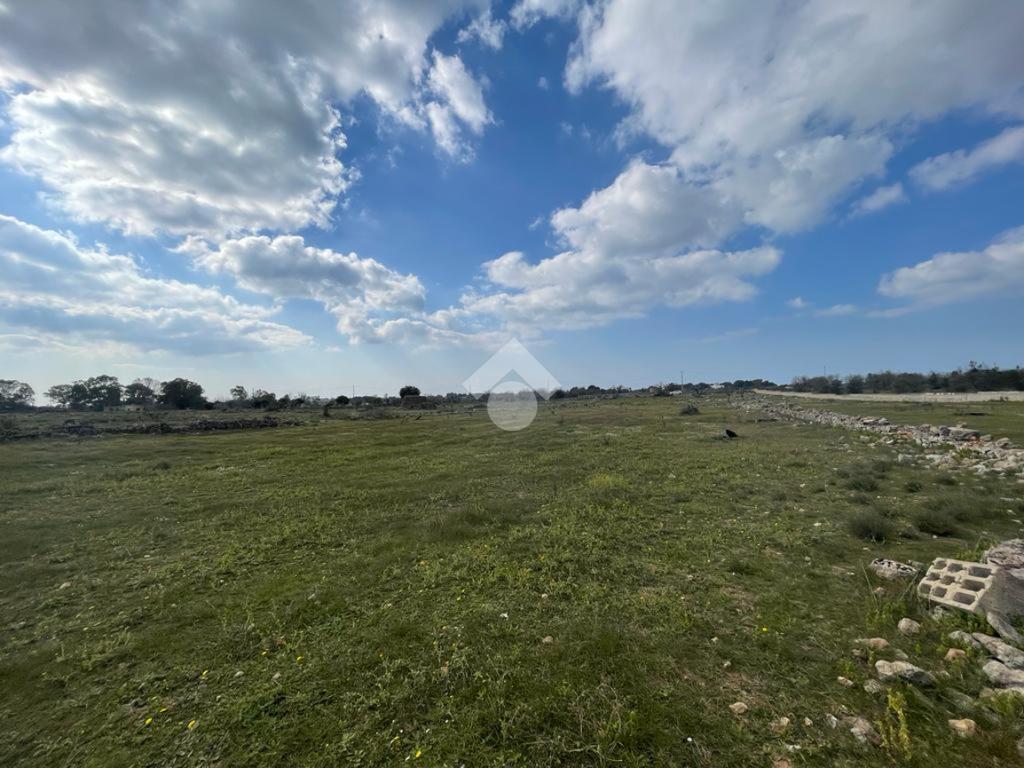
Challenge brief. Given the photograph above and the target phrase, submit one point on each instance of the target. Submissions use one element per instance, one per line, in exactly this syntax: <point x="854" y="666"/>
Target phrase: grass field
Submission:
<point x="999" y="419"/>
<point x="594" y="590"/>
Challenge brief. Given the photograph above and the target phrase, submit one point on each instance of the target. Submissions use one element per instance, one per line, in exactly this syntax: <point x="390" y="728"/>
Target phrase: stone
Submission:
<point x="891" y="670"/>
<point x="844" y="681"/>
<point x="1007" y="654"/>
<point x="1020" y="746"/>
<point x="1003" y="628"/>
<point x="874" y="643"/>
<point x="963" y="638"/>
<point x="954" y="655"/>
<point x="908" y="627"/>
<point x="1001" y="675"/>
<point x="901" y="655"/>
<point x="964" y="728"/>
<point x="892" y="569"/>
<point x="1003" y="442"/>
<point x="873" y="687"/>
<point x="831" y="721"/>
<point x="65" y="585"/>
<point x="808" y="722"/>
<point x="548" y="640"/>
<point x="878" y="591"/>
<point x="779" y="725"/>
<point x="1010" y="690"/>
<point x="960" y="700"/>
<point x="862" y="730"/>
<point x="1009" y="556"/>
<point x="739" y="708"/>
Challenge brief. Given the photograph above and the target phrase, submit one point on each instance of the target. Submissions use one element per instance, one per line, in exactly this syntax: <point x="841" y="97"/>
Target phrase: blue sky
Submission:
<point x="369" y="194"/>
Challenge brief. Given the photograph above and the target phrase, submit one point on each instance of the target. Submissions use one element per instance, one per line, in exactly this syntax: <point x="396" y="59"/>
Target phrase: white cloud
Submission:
<point x="286" y="268"/>
<point x="526" y="13"/>
<point x="883" y="197"/>
<point x="837" y="310"/>
<point x="585" y="288"/>
<point x="648" y="210"/>
<point x="951" y="277"/>
<point x="784" y="108"/>
<point x="542" y="83"/>
<point x="487" y="30"/>
<point x="370" y="302"/>
<point x="207" y="118"/>
<point x="55" y="289"/>
<point x="961" y="167"/>
<point x="461" y="103"/>
<point x="797" y="303"/>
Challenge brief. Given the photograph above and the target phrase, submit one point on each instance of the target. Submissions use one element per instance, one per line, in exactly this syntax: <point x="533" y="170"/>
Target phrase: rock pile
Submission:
<point x="972" y="449"/>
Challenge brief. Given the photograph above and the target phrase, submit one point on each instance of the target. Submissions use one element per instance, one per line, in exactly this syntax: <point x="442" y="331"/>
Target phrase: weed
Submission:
<point x="936" y="522"/>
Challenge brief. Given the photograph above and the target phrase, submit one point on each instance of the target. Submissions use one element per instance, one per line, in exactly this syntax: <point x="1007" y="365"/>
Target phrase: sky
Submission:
<point x="320" y="197"/>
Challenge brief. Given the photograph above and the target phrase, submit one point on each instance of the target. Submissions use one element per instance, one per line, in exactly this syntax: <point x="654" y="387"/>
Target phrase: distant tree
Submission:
<point x="263" y="399"/>
<point x="15" y="395"/>
<point x="102" y="391"/>
<point x="341" y="400"/>
<point x="558" y="394"/>
<point x="182" y="394"/>
<point x="138" y="393"/>
<point x="238" y="393"/>
<point x="409" y="391"/>
<point x="60" y="394"/>
<point x="854" y="384"/>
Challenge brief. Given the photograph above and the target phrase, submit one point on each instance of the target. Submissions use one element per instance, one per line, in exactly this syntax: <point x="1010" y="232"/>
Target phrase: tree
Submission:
<point x="341" y="400"/>
<point x="15" y="395"/>
<point x="138" y="393"/>
<point x="102" y="391"/>
<point x="182" y="394"/>
<point x="238" y="393"/>
<point x="263" y="399"/>
<point x="60" y="394"/>
<point x="409" y="391"/>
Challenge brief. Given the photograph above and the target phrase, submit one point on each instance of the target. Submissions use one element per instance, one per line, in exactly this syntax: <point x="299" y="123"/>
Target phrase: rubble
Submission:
<point x="969" y="449"/>
<point x="892" y="569"/>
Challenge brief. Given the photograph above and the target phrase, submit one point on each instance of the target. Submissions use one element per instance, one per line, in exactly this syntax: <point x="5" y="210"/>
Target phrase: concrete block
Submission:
<point x="959" y="584"/>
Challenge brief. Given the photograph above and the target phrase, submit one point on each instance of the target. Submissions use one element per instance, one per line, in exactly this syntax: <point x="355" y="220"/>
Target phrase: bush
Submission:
<point x="861" y="482"/>
<point x="914" y="486"/>
<point x="689" y="410"/>
<point x="936" y="522"/>
<point x="871" y="525"/>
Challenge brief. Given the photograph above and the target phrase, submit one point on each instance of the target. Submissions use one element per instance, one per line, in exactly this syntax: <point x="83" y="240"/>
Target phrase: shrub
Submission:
<point x="689" y="410"/>
<point x="936" y="522"/>
<point x="871" y="525"/>
<point x="861" y="482"/>
<point x="914" y="486"/>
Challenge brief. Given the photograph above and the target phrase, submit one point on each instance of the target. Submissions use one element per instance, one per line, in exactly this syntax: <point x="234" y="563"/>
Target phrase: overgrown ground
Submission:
<point x="378" y="593"/>
<point x="999" y="419"/>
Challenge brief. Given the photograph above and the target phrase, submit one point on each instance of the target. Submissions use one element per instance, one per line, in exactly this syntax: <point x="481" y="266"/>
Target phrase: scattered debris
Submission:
<point x="892" y="569"/>
<point x="739" y="708"/>
<point x="862" y="730"/>
<point x="964" y="728"/>
<point x="964" y="638"/>
<point x="908" y="627"/>
<point x="873" y="687"/>
<point x="1003" y="628"/>
<point x="1001" y="675"/>
<point x="959" y="584"/>
<point x="954" y="655"/>
<point x="844" y="681"/>
<point x="548" y="640"/>
<point x="904" y="670"/>
<point x="1007" y="654"/>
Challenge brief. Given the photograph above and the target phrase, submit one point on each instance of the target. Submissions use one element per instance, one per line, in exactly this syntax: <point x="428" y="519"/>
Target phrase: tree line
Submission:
<point x="975" y="378"/>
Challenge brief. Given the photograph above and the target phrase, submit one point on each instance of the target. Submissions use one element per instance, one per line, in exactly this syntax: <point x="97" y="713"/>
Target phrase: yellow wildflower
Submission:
<point x="192" y="724"/>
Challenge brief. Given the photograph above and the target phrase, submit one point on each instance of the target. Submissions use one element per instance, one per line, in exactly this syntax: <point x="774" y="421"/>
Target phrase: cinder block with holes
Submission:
<point x="959" y="584"/>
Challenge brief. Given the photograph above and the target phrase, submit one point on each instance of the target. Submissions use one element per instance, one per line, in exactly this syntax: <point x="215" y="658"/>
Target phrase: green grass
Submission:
<point x="375" y="593"/>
